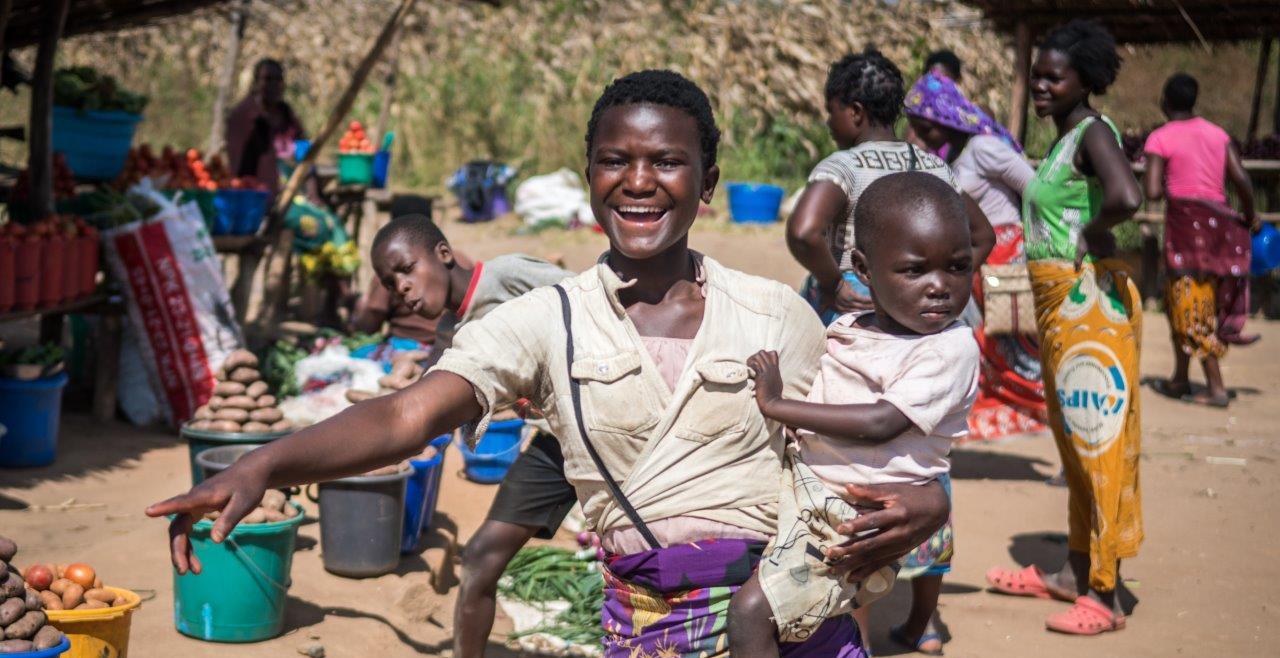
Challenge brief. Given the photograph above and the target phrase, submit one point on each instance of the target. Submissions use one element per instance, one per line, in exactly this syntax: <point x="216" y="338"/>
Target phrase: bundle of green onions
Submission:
<point x="541" y="574"/>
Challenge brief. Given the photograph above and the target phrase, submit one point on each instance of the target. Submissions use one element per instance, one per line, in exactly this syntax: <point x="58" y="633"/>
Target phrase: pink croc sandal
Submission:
<point x="1027" y="582"/>
<point x="1086" y="617"/>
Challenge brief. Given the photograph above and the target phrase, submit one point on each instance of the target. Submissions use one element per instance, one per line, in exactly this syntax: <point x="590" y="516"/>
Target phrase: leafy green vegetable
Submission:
<point x="542" y="574"/>
<point x="84" y="88"/>
<point x="45" y="355"/>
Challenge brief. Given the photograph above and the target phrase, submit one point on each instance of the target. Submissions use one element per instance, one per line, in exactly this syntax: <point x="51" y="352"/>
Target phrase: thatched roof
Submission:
<point x="85" y="16"/>
<point x="1144" y="21"/>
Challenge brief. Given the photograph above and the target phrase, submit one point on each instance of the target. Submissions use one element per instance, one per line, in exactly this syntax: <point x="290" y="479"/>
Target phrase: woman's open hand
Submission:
<point x="897" y="519"/>
<point x="1096" y="242"/>
<point x="233" y="493"/>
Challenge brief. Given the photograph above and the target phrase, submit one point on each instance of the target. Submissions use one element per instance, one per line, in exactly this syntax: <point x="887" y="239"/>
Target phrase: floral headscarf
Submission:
<point x="936" y="98"/>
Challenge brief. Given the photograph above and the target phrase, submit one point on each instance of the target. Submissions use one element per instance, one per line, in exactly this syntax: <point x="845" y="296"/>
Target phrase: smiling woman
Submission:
<point x="659" y="337"/>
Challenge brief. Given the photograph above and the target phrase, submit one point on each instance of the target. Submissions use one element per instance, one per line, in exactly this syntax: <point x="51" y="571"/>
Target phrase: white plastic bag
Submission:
<point x="177" y="301"/>
<point x="325" y="378"/>
<point x="555" y="198"/>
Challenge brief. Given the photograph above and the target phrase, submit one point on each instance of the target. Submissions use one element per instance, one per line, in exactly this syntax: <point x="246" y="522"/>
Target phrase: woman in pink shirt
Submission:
<point x="1206" y="242"/>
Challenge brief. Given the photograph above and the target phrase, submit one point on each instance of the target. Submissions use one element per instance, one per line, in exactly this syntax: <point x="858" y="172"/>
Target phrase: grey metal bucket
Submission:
<point x="215" y="460"/>
<point x="361" y="519"/>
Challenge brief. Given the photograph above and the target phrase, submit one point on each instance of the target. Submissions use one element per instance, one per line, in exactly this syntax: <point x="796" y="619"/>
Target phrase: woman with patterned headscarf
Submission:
<point x="988" y="165"/>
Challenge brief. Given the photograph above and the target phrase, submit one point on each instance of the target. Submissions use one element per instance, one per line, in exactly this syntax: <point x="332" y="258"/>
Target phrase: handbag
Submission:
<point x="1008" y="304"/>
<point x="575" y="393"/>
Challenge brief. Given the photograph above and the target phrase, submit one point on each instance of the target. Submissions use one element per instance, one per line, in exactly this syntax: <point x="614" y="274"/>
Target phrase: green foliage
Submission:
<point x="84" y="88"/>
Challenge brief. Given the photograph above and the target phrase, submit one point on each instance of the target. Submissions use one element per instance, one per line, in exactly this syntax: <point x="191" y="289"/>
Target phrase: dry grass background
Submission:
<point x="516" y="82"/>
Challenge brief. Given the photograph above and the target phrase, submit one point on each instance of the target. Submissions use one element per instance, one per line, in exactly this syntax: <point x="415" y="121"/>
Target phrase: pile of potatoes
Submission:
<point x="405" y="370"/>
<point x="241" y="401"/>
<point x="23" y="624"/>
<point x="274" y="507"/>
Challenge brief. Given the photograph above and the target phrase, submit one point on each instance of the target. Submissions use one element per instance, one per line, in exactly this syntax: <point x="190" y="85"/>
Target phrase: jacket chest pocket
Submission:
<point x="614" y="398"/>
<point x="720" y="406"/>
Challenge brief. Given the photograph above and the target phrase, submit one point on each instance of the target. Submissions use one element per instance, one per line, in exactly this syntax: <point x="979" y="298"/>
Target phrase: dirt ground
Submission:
<point x="1206" y="576"/>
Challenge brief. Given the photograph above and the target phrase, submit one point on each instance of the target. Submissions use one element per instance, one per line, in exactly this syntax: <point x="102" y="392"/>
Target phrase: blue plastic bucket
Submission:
<point x="381" y="163"/>
<point x="420" y="496"/>
<point x="51" y="652"/>
<point x="238" y="212"/>
<point x="754" y="203"/>
<point x="1266" y="251"/>
<point x="488" y="463"/>
<point x="300" y="149"/>
<point x="94" y="143"/>
<point x="30" y="410"/>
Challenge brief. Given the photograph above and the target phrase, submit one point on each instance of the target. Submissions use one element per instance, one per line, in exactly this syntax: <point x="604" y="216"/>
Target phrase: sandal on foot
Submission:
<point x="1086" y="617"/>
<point x="897" y="635"/>
<point x="1207" y="400"/>
<point x="1028" y="582"/>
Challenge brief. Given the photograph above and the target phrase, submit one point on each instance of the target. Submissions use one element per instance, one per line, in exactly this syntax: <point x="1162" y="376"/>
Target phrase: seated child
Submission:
<point x="892" y="392"/>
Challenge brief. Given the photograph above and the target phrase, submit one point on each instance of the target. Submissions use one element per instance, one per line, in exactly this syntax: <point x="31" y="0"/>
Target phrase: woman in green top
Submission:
<point x="1089" y="320"/>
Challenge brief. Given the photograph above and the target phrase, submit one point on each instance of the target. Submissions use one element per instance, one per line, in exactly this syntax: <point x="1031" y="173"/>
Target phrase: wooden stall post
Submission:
<point x="1264" y="58"/>
<point x="388" y="91"/>
<point x="53" y="16"/>
<point x="6" y="9"/>
<point x="1021" y="81"/>
<point x="227" y="78"/>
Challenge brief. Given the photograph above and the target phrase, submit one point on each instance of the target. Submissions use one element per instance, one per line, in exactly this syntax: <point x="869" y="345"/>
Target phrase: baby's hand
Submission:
<point x="764" y="369"/>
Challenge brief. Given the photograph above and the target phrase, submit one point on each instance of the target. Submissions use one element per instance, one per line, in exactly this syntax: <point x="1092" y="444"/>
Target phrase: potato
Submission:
<point x="11" y="610"/>
<point x="51" y="601"/>
<point x="290" y="511"/>
<point x="269" y="415"/>
<point x="17" y="646"/>
<point x="265" y="401"/>
<point x="258" y="515"/>
<point x="48" y="637"/>
<point x="228" y="389"/>
<point x="120" y="600"/>
<point x="254" y="426"/>
<point x="232" y="413"/>
<point x="97" y="582"/>
<point x="393" y="382"/>
<point x="240" y="358"/>
<point x="13" y="586"/>
<point x="4" y="570"/>
<point x="73" y="597"/>
<point x="25" y="628"/>
<point x="93" y="605"/>
<point x="355" y="395"/>
<point x="33" y="600"/>
<point x="7" y="549"/>
<point x="100" y="594"/>
<point x="244" y="375"/>
<point x="225" y="425"/>
<point x="60" y="585"/>
<point x="240" y="402"/>
<point x="214" y="403"/>
<point x="281" y="425"/>
<point x="202" y="425"/>
<point x="274" y="499"/>
<point x="60" y="570"/>
<point x="274" y="516"/>
<point x="203" y="412"/>
<point x="257" y="389"/>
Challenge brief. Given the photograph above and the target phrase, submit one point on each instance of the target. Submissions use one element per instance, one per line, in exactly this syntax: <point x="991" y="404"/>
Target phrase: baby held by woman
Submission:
<point x="892" y="393"/>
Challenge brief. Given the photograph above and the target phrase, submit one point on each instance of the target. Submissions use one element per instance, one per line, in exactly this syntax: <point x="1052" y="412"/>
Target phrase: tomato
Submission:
<point x="81" y="574"/>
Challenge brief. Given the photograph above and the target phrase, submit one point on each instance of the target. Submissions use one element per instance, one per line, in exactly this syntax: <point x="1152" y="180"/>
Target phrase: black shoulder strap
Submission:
<point x="575" y="392"/>
<point x="913" y="163"/>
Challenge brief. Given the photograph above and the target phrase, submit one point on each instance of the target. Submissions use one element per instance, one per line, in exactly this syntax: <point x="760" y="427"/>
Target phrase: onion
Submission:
<point x="81" y="574"/>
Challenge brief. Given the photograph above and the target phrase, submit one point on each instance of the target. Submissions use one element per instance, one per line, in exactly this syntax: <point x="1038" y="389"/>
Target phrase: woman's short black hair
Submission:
<point x="657" y="87"/>
<point x="947" y="60"/>
<point x="265" y="62"/>
<point x="417" y="229"/>
<point x="871" y="79"/>
<point x="1091" y="50"/>
<point x="1180" y="92"/>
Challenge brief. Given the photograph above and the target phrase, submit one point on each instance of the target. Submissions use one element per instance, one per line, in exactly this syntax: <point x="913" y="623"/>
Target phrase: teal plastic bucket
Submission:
<point x="95" y="143"/>
<point x="200" y="440"/>
<point x="31" y="412"/>
<point x="240" y="594"/>
<point x="355" y="168"/>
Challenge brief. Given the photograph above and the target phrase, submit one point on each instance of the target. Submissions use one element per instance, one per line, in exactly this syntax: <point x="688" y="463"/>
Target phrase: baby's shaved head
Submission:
<point x="908" y="194"/>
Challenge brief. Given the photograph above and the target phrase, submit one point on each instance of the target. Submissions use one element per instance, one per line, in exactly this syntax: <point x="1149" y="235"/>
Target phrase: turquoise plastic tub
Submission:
<point x="355" y="168"/>
<point x="421" y="492"/>
<point x="200" y="440"/>
<point x="240" y="594"/>
<point x="95" y="143"/>
<point x="495" y="453"/>
<point x="31" y="412"/>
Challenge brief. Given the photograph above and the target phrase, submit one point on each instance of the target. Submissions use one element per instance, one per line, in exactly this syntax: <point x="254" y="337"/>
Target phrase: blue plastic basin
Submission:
<point x="1266" y="251"/>
<point x="491" y="459"/>
<point x="94" y="143"/>
<point x="754" y="203"/>
<point x="30" y="410"/>
<point x="420" y="496"/>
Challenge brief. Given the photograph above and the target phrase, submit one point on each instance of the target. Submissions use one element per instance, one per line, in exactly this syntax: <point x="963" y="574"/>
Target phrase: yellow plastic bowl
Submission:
<point x="101" y="633"/>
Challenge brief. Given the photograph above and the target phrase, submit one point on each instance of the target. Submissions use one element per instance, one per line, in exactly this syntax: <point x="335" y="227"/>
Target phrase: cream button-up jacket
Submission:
<point x="702" y="450"/>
